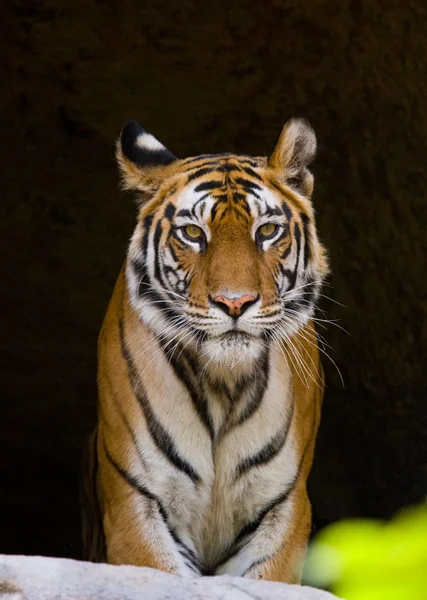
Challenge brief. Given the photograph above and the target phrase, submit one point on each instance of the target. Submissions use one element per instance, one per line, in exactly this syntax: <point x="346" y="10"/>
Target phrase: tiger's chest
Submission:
<point x="251" y="468"/>
<point x="239" y="462"/>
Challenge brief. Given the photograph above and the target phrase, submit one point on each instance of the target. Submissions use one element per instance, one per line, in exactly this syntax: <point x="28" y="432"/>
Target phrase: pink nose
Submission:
<point x="234" y="306"/>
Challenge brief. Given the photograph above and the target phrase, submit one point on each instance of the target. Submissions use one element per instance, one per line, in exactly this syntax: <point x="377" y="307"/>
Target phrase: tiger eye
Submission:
<point x="193" y="232"/>
<point x="267" y="230"/>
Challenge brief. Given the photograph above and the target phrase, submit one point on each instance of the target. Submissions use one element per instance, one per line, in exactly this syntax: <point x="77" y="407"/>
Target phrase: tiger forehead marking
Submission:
<point x="224" y="185"/>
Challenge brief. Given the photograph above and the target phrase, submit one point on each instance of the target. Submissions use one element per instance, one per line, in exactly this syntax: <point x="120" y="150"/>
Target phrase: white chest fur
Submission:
<point x="239" y="464"/>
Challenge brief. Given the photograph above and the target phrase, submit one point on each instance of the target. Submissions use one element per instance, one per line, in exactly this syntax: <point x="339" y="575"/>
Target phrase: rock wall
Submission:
<point x="203" y="78"/>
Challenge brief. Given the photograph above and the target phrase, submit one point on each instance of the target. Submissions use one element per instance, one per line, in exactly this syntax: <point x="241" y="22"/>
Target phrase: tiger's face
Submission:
<point x="225" y="255"/>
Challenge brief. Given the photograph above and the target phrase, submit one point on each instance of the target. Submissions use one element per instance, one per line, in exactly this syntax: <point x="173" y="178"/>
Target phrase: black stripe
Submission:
<point x="250" y="161"/>
<point x="207" y="157"/>
<point x="156" y="243"/>
<point x="246" y="183"/>
<point x="172" y="190"/>
<point x="292" y="274"/>
<point x="203" y="197"/>
<point x="234" y="395"/>
<point x="146" y="291"/>
<point x="297" y="234"/>
<point x="173" y="234"/>
<point x="124" y="417"/>
<point x="220" y="200"/>
<point x="269" y="451"/>
<point x="229" y="167"/>
<point x="240" y="198"/>
<point x="307" y="297"/>
<point x="258" y="390"/>
<point x="170" y="211"/>
<point x="199" y="173"/>
<point x="157" y="247"/>
<point x="143" y="491"/>
<point x="218" y="386"/>
<point x="182" y="372"/>
<point x="273" y="211"/>
<point x="286" y="252"/>
<point x="139" y="266"/>
<point x="268" y="315"/>
<point x="277" y="187"/>
<point x="140" y="271"/>
<point x="252" y="173"/>
<point x="137" y="486"/>
<point x="208" y="185"/>
<point x="255" y="563"/>
<point x="245" y="160"/>
<point x="284" y="234"/>
<point x="289" y="273"/>
<point x="242" y="214"/>
<point x="242" y="203"/>
<point x="160" y="436"/>
<point x="196" y="204"/>
<point x="307" y="240"/>
<point x="286" y="211"/>
<point x="252" y="526"/>
<point x="183" y="213"/>
<point x="190" y="557"/>
<point x="299" y="304"/>
<point x="148" y="221"/>
<point x="241" y="158"/>
<point x="182" y="246"/>
<point x="242" y="386"/>
<point x="248" y="190"/>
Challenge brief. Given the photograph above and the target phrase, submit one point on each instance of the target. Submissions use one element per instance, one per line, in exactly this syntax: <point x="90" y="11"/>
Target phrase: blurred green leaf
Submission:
<point x="372" y="560"/>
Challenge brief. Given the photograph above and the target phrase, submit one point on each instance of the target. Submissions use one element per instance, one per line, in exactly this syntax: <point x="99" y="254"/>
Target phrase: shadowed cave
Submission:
<point x="210" y="80"/>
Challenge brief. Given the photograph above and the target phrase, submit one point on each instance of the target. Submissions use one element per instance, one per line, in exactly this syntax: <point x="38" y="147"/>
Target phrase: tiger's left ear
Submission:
<point x="143" y="160"/>
<point x="294" y="151"/>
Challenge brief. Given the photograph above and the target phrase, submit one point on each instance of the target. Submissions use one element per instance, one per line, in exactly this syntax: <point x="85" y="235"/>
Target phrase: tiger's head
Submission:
<point x="225" y="255"/>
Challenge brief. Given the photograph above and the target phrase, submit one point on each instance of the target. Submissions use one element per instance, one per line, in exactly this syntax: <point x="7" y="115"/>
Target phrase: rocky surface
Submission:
<point x="40" y="578"/>
<point x="206" y="78"/>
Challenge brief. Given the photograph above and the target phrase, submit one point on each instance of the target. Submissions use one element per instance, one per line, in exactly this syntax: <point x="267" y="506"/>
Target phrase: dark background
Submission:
<point x="207" y="78"/>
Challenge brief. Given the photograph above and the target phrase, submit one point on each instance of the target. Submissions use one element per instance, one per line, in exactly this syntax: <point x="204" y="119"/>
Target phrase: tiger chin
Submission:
<point x="209" y="377"/>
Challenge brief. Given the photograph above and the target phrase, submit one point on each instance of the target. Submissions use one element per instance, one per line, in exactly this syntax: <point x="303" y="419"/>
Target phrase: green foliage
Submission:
<point x="372" y="560"/>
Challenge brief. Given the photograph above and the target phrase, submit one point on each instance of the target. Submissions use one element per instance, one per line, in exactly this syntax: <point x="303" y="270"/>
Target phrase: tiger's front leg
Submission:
<point x="276" y="550"/>
<point x="136" y="527"/>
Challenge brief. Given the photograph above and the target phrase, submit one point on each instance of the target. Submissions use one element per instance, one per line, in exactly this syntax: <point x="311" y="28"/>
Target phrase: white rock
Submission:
<point x="41" y="578"/>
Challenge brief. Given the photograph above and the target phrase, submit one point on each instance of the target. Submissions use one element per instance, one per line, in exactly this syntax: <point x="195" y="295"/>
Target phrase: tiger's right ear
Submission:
<point x="294" y="152"/>
<point x="142" y="159"/>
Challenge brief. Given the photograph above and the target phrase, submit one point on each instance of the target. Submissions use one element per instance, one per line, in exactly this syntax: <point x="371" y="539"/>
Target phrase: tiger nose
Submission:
<point x="234" y="307"/>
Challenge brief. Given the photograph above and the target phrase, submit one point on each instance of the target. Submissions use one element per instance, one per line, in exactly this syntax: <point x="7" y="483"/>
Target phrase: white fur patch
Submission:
<point x="146" y="141"/>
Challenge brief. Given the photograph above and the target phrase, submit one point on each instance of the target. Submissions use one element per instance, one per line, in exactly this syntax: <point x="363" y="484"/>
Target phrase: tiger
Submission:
<point x="209" y="373"/>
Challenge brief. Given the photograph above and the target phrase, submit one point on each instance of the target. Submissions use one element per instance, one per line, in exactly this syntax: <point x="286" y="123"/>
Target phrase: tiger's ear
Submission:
<point x="142" y="159"/>
<point x="294" y="151"/>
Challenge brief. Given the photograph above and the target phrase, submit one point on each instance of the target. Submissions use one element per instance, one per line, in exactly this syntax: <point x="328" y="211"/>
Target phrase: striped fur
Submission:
<point x="208" y="418"/>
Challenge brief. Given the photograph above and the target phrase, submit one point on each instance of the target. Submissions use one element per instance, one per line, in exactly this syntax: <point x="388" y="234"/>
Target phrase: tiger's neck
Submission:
<point x="224" y="396"/>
